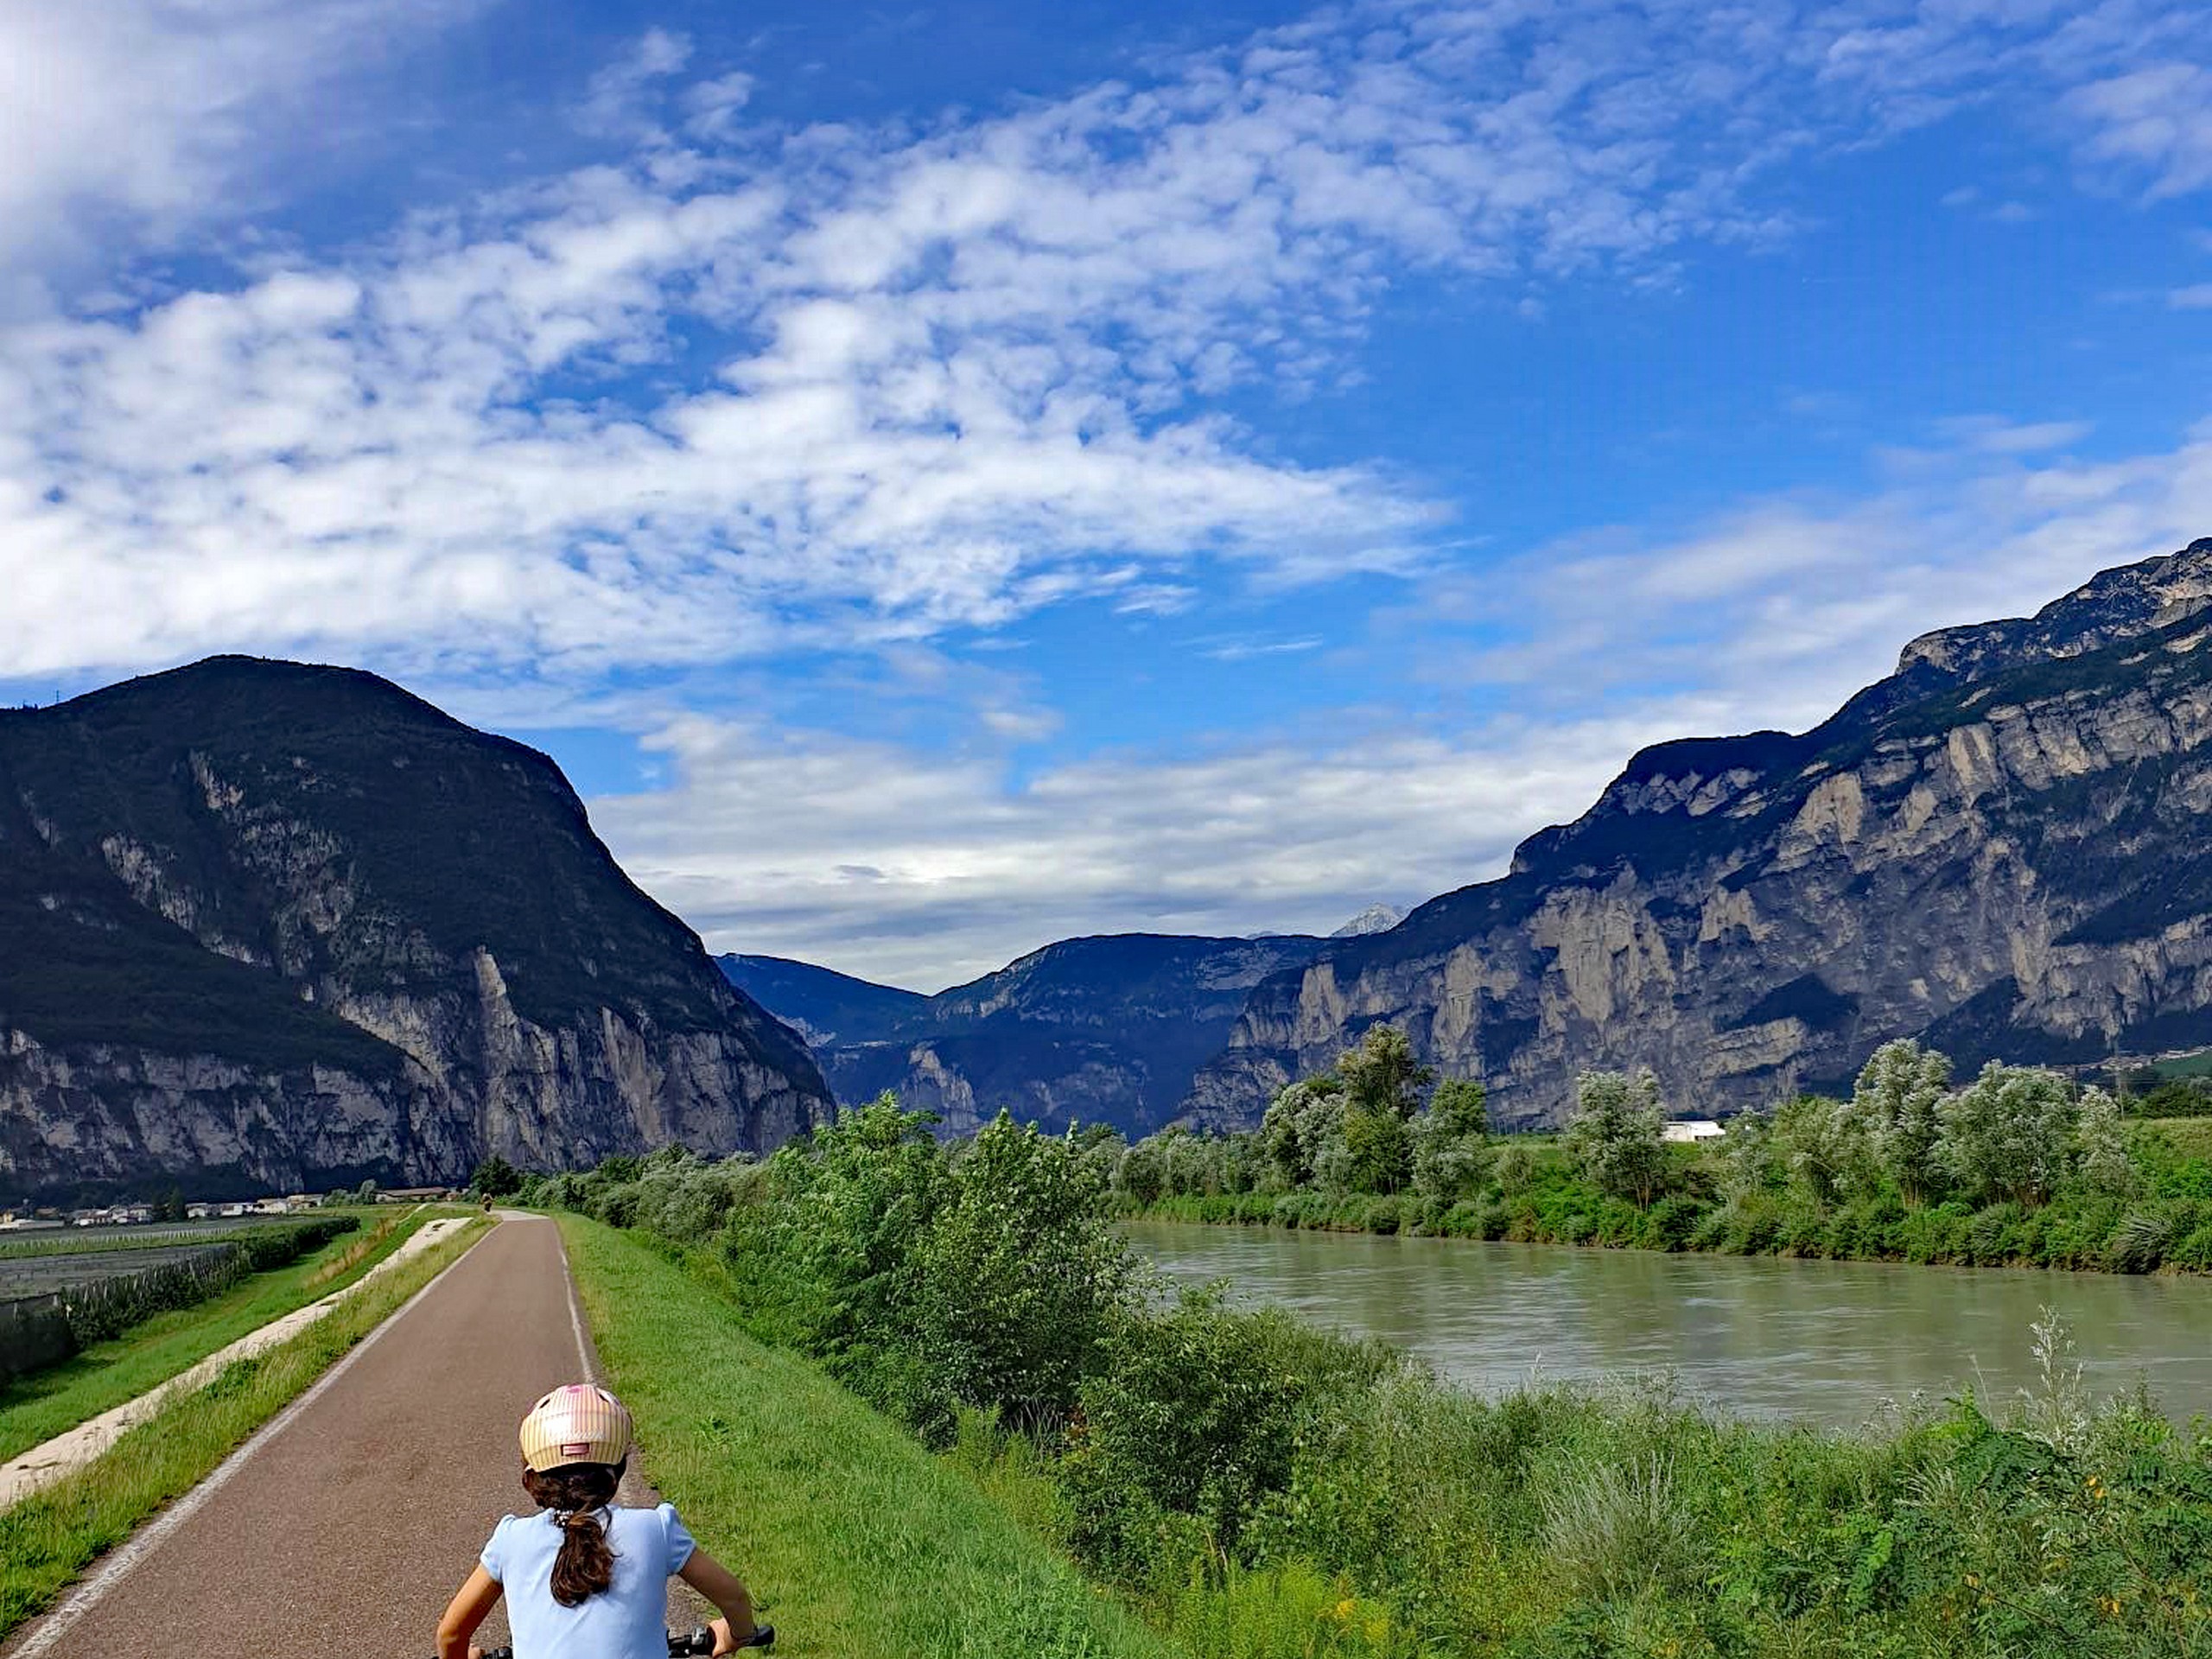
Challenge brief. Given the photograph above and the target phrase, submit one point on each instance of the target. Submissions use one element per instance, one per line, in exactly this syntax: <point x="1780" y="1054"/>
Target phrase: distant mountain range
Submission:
<point x="268" y="926"/>
<point x="264" y="925"/>
<point x="2002" y="848"/>
<point x="1111" y="1029"/>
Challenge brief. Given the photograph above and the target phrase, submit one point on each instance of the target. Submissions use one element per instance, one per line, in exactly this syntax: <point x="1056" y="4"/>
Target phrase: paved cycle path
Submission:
<point x="347" y="1529"/>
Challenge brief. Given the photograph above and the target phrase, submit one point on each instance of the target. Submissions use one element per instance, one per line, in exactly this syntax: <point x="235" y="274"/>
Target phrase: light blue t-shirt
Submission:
<point x="625" y="1621"/>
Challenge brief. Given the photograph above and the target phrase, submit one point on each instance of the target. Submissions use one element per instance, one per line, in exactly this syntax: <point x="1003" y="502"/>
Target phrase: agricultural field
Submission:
<point x="41" y="1275"/>
<point x="105" y="1373"/>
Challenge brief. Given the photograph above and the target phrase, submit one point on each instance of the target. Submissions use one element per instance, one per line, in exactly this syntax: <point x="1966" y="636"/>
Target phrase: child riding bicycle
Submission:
<point x="586" y="1578"/>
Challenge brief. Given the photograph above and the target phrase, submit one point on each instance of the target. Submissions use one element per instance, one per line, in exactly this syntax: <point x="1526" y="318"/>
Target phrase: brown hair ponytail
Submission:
<point x="577" y="1492"/>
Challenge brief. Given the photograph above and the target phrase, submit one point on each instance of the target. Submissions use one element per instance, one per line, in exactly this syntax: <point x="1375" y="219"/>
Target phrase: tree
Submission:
<point x="1516" y="1170"/>
<point x="1749" y="1163"/>
<point x="1451" y="1141"/>
<point x="1823" y="1147"/>
<point x="365" y="1192"/>
<point x="1381" y="1075"/>
<point x="1382" y="1084"/>
<point x="496" y="1178"/>
<point x="1614" y="1137"/>
<point x="1019" y="1271"/>
<point x="2008" y="1135"/>
<point x="1304" y="1124"/>
<point x="1899" y="1091"/>
<point x="2101" y="1145"/>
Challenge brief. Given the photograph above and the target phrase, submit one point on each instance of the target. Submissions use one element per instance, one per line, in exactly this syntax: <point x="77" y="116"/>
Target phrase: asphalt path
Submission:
<point x="346" y="1527"/>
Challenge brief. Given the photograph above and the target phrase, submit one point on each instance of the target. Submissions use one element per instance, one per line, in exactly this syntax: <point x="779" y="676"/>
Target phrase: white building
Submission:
<point x="1692" y="1130"/>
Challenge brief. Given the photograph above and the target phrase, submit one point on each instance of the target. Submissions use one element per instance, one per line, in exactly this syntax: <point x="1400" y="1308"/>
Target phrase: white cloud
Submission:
<point x="1776" y="613"/>
<point x="926" y="382"/>
<point x="159" y="117"/>
<point x="1771" y="618"/>
<point x="2198" y="296"/>
<point x="901" y="866"/>
<point x="2156" y="119"/>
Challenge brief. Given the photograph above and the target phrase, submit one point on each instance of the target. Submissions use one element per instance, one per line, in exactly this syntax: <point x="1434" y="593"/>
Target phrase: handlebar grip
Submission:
<point x="764" y="1636"/>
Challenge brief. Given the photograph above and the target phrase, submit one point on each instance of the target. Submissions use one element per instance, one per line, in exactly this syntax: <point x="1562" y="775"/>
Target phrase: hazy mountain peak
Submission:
<point x="1375" y="919"/>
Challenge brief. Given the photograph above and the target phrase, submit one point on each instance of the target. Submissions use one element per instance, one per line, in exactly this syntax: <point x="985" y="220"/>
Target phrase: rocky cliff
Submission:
<point x="2001" y="848"/>
<point x="1102" y="1030"/>
<point x="264" y="924"/>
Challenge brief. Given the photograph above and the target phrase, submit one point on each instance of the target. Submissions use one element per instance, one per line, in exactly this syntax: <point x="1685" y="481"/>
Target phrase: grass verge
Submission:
<point x="37" y="1408"/>
<point x="47" y="1539"/>
<point x="861" y="1543"/>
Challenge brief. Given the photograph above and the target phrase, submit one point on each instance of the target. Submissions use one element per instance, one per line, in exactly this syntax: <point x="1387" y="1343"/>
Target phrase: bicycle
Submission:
<point x="682" y="1642"/>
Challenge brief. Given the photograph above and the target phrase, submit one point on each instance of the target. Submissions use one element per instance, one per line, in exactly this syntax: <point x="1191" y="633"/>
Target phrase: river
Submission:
<point x="1827" y="1342"/>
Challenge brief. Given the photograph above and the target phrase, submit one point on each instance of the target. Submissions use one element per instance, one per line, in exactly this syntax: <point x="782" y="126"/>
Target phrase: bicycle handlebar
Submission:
<point x="701" y="1640"/>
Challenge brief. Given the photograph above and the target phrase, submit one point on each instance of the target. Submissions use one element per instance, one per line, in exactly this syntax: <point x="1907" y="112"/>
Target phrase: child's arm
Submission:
<point x="722" y="1588"/>
<point x="469" y="1608"/>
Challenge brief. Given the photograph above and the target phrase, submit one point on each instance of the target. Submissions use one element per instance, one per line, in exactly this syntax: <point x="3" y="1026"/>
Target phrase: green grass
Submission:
<point x="47" y="1539"/>
<point x="2191" y="1136"/>
<point x="37" y="1408"/>
<point x="858" y="1542"/>
<point x="2198" y="1064"/>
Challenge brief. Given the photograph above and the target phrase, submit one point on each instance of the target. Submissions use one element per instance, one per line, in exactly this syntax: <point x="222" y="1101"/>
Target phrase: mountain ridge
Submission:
<point x="1101" y="1028"/>
<point x="267" y="922"/>
<point x="1723" y="861"/>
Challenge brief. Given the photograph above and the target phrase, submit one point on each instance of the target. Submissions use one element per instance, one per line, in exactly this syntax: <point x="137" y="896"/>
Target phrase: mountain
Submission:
<point x="1375" y="919"/>
<point x="2001" y="848"/>
<point x="1110" y="1029"/>
<point x="266" y="925"/>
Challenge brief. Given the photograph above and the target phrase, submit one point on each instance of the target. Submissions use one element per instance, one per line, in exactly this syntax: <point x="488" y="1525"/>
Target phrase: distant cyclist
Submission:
<point x="586" y="1578"/>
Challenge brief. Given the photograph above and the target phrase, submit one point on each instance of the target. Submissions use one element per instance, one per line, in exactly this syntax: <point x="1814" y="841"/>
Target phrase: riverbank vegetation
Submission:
<point x="1262" y="1489"/>
<point x="861" y="1544"/>
<point x="2017" y="1165"/>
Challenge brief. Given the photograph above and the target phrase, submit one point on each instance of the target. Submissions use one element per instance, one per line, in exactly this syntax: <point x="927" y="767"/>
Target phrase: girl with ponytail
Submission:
<point x="584" y="1577"/>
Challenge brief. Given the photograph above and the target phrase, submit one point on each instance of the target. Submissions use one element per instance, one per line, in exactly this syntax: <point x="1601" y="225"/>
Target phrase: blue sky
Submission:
<point x="945" y="478"/>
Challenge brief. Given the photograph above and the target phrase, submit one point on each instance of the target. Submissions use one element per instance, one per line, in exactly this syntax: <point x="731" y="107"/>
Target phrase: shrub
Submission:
<point x="1617" y="1529"/>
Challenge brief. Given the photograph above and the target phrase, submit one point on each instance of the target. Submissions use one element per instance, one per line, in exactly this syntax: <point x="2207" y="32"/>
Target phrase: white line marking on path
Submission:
<point x="149" y="1538"/>
<point x="575" y="1311"/>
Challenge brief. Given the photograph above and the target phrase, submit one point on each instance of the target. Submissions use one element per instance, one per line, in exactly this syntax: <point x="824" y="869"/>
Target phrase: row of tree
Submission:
<point x="1379" y="1122"/>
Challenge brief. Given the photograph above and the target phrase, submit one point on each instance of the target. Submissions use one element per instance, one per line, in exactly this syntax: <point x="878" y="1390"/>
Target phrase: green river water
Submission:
<point x="1829" y="1342"/>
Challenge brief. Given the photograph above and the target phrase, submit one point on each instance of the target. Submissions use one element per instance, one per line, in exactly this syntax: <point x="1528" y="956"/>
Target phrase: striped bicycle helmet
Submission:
<point x="580" y="1423"/>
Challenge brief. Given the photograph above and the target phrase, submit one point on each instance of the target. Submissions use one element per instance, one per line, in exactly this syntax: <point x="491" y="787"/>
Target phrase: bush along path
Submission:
<point x="1259" y="1490"/>
<point x="2018" y="1167"/>
<point x="861" y="1544"/>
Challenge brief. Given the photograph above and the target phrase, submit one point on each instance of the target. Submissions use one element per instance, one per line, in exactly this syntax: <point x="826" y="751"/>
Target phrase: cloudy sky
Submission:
<point x="945" y="478"/>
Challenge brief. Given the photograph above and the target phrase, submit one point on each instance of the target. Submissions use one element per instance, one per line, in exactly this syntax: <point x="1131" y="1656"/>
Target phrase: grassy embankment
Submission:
<point x="47" y="1539"/>
<point x="863" y="1544"/>
<point x="37" y="1408"/>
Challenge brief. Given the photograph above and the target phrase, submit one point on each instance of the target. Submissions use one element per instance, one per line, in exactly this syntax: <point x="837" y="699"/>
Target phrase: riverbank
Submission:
<point x="2162" y="1220"/>
<point x="1258" y="1489"/>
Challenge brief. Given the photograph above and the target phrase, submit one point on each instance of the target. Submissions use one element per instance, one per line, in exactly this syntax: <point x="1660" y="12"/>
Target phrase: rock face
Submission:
<point x="264" y="924"/>
<point x="2001" y="848"/>
<point x="1110" y="1030"/>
